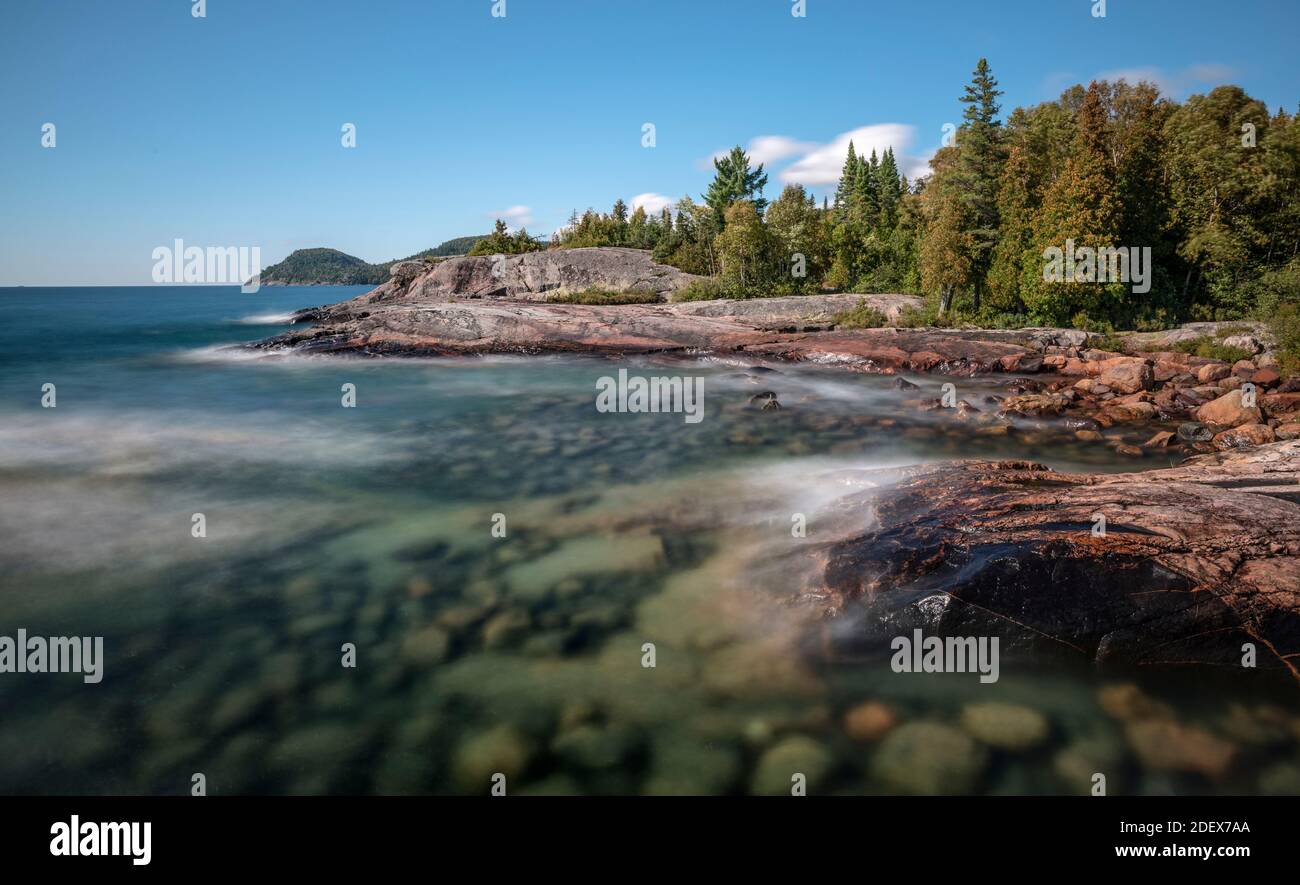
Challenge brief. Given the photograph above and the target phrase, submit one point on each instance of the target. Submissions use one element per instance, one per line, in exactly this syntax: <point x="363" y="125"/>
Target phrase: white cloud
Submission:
<point x="771" y="148"/>
<point x="653" y="203"/>
<point x="515" y="217"/>
<point x="822" y="164"/>
<point x="764" y="149"/>
<point x="1174" y="84"/>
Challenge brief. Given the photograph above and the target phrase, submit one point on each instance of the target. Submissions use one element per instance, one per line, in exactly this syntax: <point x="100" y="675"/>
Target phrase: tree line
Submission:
<point x="1209" y="186"/>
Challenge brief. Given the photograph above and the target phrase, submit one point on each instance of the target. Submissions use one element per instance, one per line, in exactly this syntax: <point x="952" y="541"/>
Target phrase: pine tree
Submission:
<point x="866" y="199"/>
<point x="735" y="181"/>
<point x="979" y="167"/>
<point x="844" y="191"/>
<point x="888" y="188"/>
<point x="499" y="242"/>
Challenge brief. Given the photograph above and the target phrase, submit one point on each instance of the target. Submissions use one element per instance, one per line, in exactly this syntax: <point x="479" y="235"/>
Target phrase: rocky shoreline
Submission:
<point x="1194" y="403"/>
<point x="1194" y="562"/>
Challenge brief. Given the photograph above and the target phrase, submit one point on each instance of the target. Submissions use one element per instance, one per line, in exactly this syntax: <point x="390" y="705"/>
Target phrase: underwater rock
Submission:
<point x="929" y="759"/>
<point x="869" y="721"/>
<point x="1167" y="745"/>
<point x="1002" y="726"/>
<point x="682" y="765"/>
<point x="501" y="749"/>
<point x="790" y="756"/>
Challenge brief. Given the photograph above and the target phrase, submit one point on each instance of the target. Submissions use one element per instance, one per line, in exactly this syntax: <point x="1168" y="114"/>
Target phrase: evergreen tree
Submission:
<point x="496" y="243"/>
<point x="866" y="202"/>
<point x="980" y="164"/>
<point x="734" y="181"/>
<point x="888" y="188"/>
<point x="844" y="192"/>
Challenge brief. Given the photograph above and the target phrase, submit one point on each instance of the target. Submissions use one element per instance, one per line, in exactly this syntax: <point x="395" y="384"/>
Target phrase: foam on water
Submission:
<point x="265" y="319"/>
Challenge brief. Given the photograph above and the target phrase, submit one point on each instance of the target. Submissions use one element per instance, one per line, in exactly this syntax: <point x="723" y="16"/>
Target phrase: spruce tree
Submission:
<point x="979" y="167"/>
<point x="734" y="181"/>
<point x="888" y="188"/>
<point x="844" y="192"/>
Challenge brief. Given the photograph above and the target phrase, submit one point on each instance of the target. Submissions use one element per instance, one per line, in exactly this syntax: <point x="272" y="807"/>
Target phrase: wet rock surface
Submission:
<point x="1174" y="567"/>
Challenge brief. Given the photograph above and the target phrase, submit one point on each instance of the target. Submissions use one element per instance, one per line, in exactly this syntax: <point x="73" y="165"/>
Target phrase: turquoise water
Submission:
<point x="476" y="654"/>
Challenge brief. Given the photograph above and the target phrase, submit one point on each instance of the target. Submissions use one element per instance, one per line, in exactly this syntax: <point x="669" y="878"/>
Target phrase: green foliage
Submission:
<point x="638" y="231"/>
<point x="863" y="316"/>
<point x="1273" y="289"/>
<point x="605" y="296"/>
<point x="745" y="247"/>
<point x="448" y="248"/>
<point x="734" y="182"/>
<point x="1112" y="165"/>
<point x="926" y="316"/>
<point x="714" y="288"/>
<point x="1219" y="190"/>
<point x="501" y="242"/>
<point x="798" y="242"/>
<point x="1081" y="207"/>
<point x="324" y="267"/>
<point x="700" y="290"/>
<point x="978" y="172"/>
<point x="1206" y="346"/>
<point x="1285" y="325"/>
<point x="689" y="246"/>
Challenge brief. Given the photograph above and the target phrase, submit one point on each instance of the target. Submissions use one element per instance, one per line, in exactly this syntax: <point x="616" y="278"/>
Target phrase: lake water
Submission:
<point x="372" y="528"/>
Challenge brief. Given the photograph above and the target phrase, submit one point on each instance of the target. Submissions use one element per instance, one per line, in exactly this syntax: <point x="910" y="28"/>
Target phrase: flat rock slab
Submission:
<point x="759" y="328"/>
<point x="1194" y="562"/>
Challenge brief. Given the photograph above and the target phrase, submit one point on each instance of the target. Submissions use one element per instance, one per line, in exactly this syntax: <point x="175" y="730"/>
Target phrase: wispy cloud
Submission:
<point x="765" y="149"/>
<point x="1174" y="84"/>
<point x="823" y="163"/>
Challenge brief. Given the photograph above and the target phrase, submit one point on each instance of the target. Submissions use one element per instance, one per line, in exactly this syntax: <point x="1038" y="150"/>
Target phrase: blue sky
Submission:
<point x="225" y="130"/>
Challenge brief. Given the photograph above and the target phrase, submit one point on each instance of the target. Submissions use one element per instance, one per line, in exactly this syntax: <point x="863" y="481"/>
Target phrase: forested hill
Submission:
<point x="330" y="267"/>
<point x="458" y="246"/>
<point x="314" y="267"/>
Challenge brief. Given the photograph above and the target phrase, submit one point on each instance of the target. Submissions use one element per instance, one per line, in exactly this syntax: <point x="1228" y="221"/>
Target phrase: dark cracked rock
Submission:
<point x="1194" y="562"/>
